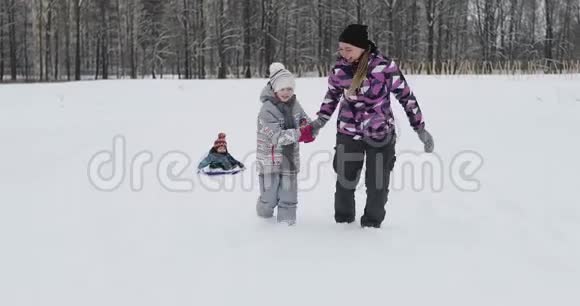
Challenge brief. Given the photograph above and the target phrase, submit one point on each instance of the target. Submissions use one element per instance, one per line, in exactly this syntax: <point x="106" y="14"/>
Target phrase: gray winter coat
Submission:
<point x="272" y="137"/>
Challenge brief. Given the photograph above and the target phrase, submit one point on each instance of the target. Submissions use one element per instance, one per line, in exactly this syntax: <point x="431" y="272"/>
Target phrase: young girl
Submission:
<point x="282" y="124"/>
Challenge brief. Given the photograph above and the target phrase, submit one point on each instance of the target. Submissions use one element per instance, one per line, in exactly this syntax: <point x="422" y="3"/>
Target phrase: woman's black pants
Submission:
<point x="349" y="158"/>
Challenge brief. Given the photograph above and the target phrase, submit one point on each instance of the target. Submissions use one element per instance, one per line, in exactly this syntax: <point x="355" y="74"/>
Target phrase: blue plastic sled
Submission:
<point x="217" y="171"/>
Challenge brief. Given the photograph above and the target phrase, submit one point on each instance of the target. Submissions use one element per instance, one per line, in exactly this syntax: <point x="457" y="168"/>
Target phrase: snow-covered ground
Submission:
<point x="497" y="221"/>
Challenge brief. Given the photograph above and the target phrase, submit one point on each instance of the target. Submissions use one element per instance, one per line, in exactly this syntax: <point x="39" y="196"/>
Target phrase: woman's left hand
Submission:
<point x="426" y="139"/>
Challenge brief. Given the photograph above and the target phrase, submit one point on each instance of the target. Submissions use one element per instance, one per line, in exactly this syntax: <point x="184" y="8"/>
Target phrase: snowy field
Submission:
<point x="495" y="222"/>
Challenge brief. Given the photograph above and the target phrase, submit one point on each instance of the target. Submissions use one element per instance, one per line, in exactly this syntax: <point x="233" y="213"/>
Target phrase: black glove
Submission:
<point x="426" y="139"/>
<point x="317" y="124"/>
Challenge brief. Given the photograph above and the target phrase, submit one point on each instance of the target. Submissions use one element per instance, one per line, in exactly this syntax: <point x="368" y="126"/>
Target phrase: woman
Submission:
<point x="361" y="81"/>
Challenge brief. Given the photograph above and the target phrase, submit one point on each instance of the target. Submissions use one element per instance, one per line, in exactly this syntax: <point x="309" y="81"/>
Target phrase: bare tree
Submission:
<point x="65" y="7"/>
<point x="221" y="27"/>
<point x="201" y="40"/>
<point x="2" y="27"/>
<point x="247" y="39"/>
<point x="564" y="42"/>
<point x="268" y="30"/>
<point x="185" y="19"/>
<point x="78" y="6"/>
<point x="360" y="7"/>
<point x="103" y="36"/>
<point x="12" y="38"/>
<point x="549" y="40"/>
<point x="431" y="13"/>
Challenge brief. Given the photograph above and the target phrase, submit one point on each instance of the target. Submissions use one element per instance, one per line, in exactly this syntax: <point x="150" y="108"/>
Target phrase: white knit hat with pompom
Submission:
<point x="280" y="77"/>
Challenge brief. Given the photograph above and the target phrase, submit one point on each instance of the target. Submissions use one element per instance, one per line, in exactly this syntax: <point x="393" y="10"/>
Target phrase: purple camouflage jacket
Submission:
<point x="369" y="114"/>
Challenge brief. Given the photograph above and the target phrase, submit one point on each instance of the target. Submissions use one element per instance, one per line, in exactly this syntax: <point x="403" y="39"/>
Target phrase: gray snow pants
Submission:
<point x="281" y="191"/>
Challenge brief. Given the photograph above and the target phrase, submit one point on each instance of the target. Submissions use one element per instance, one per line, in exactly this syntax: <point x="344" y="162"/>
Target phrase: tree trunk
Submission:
<point x="104" y="38"/>
<point x="2" y="10"/>
<point x="462" y="31"/>
<point x="440" y="26"/>
<point x="105" y="56"/>
<point x="247" y="69"/>
<point x="359" y="11"/>
<point x="12" y="30"/>
<point x="285" y="40"/>
<point x="320" y="40"/>
<point x="186" y="40"/>
<point x="131" y="38"/>
<point x="121" y="53"/>
<point x="25" y="42"/>
<point x="390" y="26"/>
<point x="98" y="58"/>
<point x="268" y="27"/>
<point x="492" y="29"/>
<point x="295" y="41"/>
<point x="533" y="22"/>
<point x="78" y="40"/>
<point x="40" y="22"/>
<point x="549" y="34"/>
<point x="67" y="40"/>
<point x="262" y="56"/>
<point x="451" y="21"/>
<point x="329" y="41"/>
<point x="511" y="31"/>
<point x="201" y="51"/>
<point x="56" y="52"/>
<point x="501" y="19"/>
<point x="564" y="41"/>
<point x="221" y="20"/>
<point x="430" y="34"/>
<point x="48" y="57"/>
<point x="414" y="31"/>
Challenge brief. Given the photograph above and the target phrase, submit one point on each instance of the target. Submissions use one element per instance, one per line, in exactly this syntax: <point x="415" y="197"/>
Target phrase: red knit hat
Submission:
<point x="221" y="141"/>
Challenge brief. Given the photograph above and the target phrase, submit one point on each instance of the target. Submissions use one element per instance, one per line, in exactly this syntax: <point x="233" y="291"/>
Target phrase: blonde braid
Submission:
<point x="361" y="73"/>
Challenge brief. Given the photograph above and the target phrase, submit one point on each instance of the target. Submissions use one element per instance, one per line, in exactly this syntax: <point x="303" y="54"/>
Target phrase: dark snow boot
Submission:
<point x="343" y="218"/>
<point x="366" y="222"/>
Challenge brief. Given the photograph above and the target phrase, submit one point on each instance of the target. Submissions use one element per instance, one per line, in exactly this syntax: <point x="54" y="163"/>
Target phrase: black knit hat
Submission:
<point x="356" y="35"/>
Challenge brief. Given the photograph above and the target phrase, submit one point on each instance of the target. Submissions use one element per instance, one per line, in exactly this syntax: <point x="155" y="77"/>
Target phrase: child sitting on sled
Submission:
<point x="219" y="161"/>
